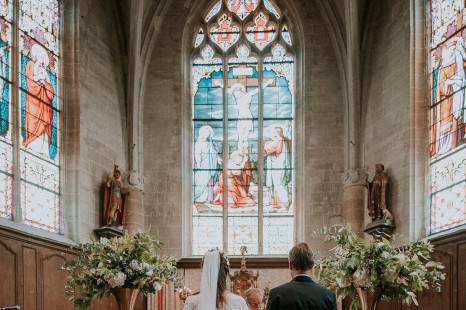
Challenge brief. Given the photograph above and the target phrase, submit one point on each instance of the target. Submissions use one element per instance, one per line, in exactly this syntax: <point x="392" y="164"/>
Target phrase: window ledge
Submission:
<point x="259" y="262"/>
<point x="32" y="232"/>
<point x="449" y="234"/>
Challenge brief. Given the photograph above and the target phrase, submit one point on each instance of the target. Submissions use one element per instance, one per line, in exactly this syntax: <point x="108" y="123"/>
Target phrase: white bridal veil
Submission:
<point x="209" y="278"/>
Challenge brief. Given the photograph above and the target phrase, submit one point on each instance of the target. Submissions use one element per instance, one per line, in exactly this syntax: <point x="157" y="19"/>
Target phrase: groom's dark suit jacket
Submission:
<point x="301" y="294"/>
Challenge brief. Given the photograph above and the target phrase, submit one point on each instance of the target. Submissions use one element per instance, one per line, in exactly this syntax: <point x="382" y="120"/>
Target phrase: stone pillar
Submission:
<point x="134" y="210"/>
<point x="354" y="198"/>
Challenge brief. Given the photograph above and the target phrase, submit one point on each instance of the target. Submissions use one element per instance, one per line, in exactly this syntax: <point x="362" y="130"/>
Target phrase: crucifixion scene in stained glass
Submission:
<point x="243" y="90"/>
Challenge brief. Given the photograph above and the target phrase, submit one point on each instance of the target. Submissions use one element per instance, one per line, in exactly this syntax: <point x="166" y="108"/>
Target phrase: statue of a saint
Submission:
<point x="114" y="199"/>
<point x="377" y="203"/>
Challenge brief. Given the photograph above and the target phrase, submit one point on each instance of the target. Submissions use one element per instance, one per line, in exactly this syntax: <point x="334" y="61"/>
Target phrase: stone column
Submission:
<point x="134" y="210"/>
<point x="354" y="198"/>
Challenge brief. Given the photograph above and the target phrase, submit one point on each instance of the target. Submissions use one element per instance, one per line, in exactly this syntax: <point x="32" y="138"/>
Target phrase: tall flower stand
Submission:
<point x="125" y="297"/>
<point x="369" y="300"/>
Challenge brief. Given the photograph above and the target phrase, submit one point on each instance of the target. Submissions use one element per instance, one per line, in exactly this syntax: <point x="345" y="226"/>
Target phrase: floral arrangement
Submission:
<point x="399" y="273"/>
<point x="126" y="262"/>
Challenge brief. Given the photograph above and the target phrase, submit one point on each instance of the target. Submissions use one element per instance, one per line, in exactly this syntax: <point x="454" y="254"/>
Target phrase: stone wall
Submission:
<point x="323" y="110"/>
<point x="386" y="102"/>
<point x="324" y="127"/>
<point x="102" y="107"/>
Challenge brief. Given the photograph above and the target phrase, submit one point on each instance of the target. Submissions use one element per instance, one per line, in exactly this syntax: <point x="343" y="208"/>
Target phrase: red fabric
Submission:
<point x="38" y="108"/>
<point x="238" y="188"/>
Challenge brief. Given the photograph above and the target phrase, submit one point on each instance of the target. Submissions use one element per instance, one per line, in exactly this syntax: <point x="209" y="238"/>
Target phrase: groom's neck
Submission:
<point x="295" y="272"/>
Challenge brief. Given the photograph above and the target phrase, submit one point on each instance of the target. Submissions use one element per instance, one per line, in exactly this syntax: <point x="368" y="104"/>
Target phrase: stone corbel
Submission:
<point x="354" y="177"/>
<point x="135" y="180"/>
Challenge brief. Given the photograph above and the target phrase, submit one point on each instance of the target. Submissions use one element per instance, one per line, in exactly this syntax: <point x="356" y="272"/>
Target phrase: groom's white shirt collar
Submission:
<point x="302" y="275"/>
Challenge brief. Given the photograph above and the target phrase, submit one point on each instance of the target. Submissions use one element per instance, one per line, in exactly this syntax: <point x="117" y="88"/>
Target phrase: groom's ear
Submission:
<point x="289" y="264"/>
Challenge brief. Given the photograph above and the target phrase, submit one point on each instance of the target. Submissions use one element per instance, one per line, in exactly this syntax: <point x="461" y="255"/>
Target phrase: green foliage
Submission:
<point x="400" y="273"/>
<point x="129" y="262"/>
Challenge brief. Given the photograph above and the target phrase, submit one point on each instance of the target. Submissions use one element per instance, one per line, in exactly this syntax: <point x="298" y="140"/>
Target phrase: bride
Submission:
<point x="214" y="294"/>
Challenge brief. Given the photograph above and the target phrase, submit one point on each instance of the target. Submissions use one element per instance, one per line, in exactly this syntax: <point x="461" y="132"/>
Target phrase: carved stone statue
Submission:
<point x="114" y="199"/>
<point x="377" y="202"/>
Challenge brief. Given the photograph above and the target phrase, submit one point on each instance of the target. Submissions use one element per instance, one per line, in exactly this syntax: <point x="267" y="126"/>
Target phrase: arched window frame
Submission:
<point x="191" y="29"/>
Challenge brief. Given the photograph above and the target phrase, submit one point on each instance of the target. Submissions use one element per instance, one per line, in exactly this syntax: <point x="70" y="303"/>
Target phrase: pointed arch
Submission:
<point x="201" y="39"/>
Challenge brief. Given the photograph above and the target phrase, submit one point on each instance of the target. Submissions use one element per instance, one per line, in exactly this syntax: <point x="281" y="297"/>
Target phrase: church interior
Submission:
<point x="243" y="125"/>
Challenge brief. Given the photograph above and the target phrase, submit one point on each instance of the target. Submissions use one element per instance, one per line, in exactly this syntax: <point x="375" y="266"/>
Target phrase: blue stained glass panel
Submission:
<point x="207" y="167"/>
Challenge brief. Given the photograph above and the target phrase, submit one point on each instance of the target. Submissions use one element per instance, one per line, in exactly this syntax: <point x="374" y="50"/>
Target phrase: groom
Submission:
<point x="301" y="292"/>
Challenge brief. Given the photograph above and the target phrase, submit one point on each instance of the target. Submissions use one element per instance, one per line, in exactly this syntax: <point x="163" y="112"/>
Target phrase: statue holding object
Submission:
<point x="113" y="210"/>
<point x="377" y="203"/>
<point x="114" y="199"/>
<point x="382" y="220"/>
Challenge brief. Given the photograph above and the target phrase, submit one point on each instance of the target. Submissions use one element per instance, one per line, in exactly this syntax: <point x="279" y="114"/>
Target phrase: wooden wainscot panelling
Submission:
<point x="29" y="278"/>
<point x="8" y="274"/>
<point x="53" y="282"/>
<point x="30" y="275"/>
<point x="462" y="274"/>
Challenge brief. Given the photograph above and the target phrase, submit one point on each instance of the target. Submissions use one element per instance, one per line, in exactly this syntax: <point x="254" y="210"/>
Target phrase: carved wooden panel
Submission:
<point x="444" y="300"/>
<point x="462" y="274"/>
<point x="7" y="275"/>
<point x="53" y="287"/>
<point x="30" y="276"/>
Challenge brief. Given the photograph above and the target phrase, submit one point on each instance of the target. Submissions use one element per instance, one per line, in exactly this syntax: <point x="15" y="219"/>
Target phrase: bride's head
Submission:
<point x="215" y="266"/>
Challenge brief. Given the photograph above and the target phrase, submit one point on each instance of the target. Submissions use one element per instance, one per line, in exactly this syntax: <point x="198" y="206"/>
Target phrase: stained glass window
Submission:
<point x="448" y="115"/>
<point x="36" y="100"/>
<point x="243" y="88"/>
<point x="6" y="135"/>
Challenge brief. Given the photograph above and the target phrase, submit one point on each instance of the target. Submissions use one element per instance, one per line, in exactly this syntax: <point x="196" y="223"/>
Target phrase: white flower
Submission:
<point x="157" y="286"/>
<point x="342" y="281"/>
<point x="385" y="255"/>
<point x="149" y="273"/>
<point x="118" y="280"/>
<point x="401" y="258"/>
<point x="134" y="265"/>
<point x="361" y="277"/>
<point x="149" y="267"/>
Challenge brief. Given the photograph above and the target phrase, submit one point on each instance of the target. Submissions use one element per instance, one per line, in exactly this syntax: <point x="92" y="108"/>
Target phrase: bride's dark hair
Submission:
<point x="223" y="272"/>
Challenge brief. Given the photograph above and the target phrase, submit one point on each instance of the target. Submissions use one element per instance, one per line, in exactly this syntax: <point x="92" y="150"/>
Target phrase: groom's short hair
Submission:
<point x="301" y="257"/>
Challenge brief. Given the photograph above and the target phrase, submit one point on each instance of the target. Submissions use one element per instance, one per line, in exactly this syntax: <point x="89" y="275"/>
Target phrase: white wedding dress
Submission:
<point x="233" y="302"/>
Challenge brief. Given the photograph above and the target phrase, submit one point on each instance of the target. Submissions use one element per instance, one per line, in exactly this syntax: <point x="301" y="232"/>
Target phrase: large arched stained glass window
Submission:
<point x="448" y="115"/>
<point x="243" y="89"/>
<point x="29" y="112"/>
